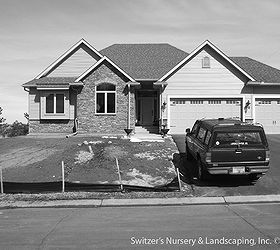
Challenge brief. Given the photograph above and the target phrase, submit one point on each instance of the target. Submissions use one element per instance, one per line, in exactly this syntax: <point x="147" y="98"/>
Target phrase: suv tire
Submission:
<point x="254" y="177"/>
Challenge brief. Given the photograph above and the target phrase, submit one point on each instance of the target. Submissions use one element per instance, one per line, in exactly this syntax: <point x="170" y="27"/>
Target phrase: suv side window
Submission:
<point x="207" y="138"/>
<point x="195" y="128"/>
<point x="201" y="134"/>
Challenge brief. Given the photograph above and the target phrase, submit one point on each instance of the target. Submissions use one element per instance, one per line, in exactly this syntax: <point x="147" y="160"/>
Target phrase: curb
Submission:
<point x="227" y="200"/>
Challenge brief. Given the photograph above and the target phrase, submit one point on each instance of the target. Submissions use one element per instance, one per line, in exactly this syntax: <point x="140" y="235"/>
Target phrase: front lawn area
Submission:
<point x="31" y="159"/>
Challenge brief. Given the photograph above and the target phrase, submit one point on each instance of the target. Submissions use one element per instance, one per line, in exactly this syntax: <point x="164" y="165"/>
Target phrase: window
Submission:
<point x="196" y="102"/>
<point x="106" y="98"/>
<point x="207" y="138"/>
<point x="201" y="134"/>
<point x="214" y="102"/>
<point x="55" y="104"/>
<point x="235" y="139"/>
<point x="195" y="128"/>
<point x="206" y="62"/>
<point x="179" y="102"/>
<point x="264" y="102"/>
<point x="232" y="102"/>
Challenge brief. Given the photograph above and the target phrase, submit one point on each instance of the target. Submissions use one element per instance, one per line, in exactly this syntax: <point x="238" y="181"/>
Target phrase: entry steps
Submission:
<point x="147" y="133"/>
<point x="146" y="130"/>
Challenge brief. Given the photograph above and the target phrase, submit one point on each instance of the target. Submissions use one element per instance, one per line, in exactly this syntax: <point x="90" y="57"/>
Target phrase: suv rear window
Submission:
<point x="238" y="139"/>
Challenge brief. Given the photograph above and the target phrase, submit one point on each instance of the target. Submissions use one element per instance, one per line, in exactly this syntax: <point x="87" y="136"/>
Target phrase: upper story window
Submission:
<point x="105" y="98"/>
<point x="206" y="62"/>
<point x="55" y="104"/>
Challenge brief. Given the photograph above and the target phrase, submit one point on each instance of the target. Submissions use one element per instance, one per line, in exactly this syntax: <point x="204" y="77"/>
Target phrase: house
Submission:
<point x="150" y="85"/>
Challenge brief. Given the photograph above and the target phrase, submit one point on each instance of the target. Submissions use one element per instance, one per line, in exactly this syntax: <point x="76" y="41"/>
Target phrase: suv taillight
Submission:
<point x="208" y="157"/>
<point x="267" y="155"/>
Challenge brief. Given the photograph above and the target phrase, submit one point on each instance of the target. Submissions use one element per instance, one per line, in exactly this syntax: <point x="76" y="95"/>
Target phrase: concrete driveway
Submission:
<point x="231" y="185"/>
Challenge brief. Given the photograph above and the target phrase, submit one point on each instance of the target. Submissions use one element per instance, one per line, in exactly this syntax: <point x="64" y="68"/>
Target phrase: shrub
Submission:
<point x="16" y="129"/>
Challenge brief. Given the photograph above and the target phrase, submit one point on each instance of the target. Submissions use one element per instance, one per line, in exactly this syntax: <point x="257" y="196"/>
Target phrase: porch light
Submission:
<point x="247" y="106"/>
<point x="163" y="107"/>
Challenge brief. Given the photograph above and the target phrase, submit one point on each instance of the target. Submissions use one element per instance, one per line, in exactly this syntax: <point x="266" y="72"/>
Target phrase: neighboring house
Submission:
<point x="150" y="85"/>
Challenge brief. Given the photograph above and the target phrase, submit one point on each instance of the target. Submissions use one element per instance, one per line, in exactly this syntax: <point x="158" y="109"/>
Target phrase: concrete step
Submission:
<point x="146" y="130"/>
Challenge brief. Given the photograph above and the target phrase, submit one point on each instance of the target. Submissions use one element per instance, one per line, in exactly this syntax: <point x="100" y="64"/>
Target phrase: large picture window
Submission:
<point x="55" y="104"/>
<point x="106" y="98"/>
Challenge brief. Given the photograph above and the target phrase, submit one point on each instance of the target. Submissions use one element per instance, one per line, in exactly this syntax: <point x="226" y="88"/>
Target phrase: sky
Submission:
<point x="34" y="33"/>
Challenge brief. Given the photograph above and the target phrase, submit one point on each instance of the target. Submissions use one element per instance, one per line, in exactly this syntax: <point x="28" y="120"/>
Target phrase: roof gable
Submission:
<point x="195" y="52"/>
<point x="73" y="62"/>
<point x="95" y="66"/>
<point x="144" y="61"/>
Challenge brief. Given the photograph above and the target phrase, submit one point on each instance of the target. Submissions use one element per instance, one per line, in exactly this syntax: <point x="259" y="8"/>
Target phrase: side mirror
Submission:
<point x="188" y="131"/>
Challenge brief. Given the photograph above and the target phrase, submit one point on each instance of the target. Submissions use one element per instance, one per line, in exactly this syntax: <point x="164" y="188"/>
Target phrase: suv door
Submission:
<point x="198" y="143"/>
<point x="191" y="136"/>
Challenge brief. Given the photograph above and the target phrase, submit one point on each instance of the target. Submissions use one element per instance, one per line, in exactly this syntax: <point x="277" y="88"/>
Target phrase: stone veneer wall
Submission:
<point x="89" y="122"/>
<point x="51" y="126"/>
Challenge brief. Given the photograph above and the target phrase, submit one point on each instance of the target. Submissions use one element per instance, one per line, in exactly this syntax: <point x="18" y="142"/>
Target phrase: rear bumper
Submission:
<point x="229" y="170"/>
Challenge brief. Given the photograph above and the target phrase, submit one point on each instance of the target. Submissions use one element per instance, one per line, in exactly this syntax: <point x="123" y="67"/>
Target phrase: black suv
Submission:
<point x="227" y="146"/>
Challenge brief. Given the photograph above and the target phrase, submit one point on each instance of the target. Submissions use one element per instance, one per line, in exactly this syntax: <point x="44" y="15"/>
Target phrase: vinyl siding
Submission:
<point x="77" y="63"/>
<point x="192" y="79"/>
<point x="34" y="104"/>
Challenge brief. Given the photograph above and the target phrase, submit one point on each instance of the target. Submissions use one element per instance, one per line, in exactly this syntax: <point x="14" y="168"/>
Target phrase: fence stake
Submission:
<point x="120" y="179"/>
<point x="179" y="180"/>
<point x="62" y="170"/>
<point x="1" y="180"/>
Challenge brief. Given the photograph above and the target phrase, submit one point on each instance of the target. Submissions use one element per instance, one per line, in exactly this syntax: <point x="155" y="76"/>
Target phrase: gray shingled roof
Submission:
<point x="145" y="61"/>
<point x="53" y="81"/>
<point x="152" y="61"/>
<point x="259" y="71"/>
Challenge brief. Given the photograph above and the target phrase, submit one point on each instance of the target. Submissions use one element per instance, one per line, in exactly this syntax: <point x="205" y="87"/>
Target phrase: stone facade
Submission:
<point x="51" y="126"/>
<point x="91" y="122"/>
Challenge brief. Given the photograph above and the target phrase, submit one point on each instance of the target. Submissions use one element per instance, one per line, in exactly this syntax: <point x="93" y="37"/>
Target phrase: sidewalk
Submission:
<point x="142" y="202"/>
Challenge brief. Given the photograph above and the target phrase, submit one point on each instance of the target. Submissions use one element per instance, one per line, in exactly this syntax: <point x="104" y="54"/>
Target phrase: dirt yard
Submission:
<point x="87" y="160"/>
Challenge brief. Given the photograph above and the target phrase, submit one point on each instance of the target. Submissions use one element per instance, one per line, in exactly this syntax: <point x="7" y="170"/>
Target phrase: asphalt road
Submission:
<point x="172" y="227"/>
<point x="232" y="185"/>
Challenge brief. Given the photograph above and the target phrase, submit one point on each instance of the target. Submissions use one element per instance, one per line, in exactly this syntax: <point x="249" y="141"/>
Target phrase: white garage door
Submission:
<point x="268" y="114"/>
<point x="185" y="111"/>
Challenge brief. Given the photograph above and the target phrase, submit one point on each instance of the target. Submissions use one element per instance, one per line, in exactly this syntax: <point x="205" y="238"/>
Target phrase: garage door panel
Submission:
<point x="185" y="111"/>
<point x="267" y="112"/>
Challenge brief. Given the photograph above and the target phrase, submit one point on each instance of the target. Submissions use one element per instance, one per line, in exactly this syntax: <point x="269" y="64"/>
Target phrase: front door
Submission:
<point x="147" y="108"/>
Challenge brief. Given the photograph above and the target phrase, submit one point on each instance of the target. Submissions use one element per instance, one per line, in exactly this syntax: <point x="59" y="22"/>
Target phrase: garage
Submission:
<point x="267" y="112"/>
<point x="185" y="111"/>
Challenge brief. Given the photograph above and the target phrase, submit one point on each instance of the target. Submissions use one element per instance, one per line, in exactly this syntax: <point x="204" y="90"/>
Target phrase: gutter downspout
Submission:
<point x="128" y="113"/>
<point x="75" y="130"/>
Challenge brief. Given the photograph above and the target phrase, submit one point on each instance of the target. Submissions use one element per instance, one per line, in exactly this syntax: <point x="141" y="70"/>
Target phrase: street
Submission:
<point x="254" y="226"/>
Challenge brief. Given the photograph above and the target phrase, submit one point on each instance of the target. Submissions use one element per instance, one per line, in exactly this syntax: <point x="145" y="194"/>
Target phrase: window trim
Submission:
<point x="105" y="92"/>
<point x="54" y="115"/>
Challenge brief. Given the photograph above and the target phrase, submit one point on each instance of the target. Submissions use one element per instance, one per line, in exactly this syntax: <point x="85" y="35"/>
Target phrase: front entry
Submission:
<point x="147" y="114"/>
<point x="147" y="108"/>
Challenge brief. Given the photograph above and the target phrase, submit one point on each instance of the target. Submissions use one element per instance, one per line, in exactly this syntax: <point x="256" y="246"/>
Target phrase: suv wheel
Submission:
<point x="201" y="174"/>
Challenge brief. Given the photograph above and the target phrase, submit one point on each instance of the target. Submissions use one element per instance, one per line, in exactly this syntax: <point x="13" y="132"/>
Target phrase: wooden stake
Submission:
<point x="120" y="179"/>
<point x="179" y="180"/>
<point x="90" y="149"/>
<point x="1" y="180"/>
<point x="63" y="181"/>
